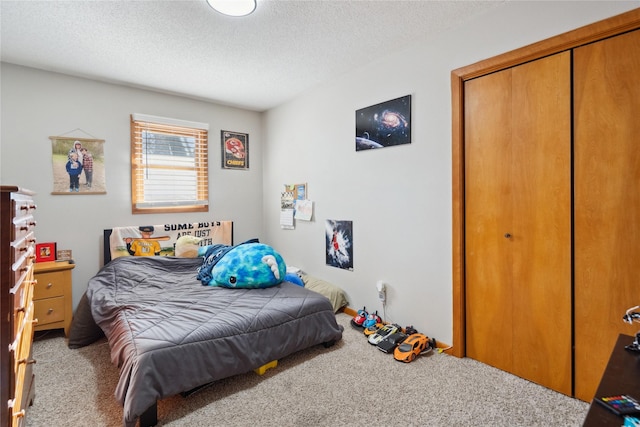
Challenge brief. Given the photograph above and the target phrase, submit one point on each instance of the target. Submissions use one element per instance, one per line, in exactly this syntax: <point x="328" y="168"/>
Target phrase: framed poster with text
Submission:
<point x="235" y="150"/>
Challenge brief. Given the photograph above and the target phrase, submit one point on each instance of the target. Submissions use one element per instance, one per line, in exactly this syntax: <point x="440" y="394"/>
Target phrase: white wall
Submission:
<point x="38" y="104"/>
<point x="398" y="198"/>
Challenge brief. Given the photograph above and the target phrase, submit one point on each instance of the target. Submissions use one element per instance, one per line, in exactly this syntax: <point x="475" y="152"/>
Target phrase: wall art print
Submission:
<point x="384" y="125"/>
<point x="78" y="165"/>
<point x="339" y="244"/>
<point x="235" y="150"/>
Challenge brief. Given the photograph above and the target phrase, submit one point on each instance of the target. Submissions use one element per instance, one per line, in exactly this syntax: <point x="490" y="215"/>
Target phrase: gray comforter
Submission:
<point x="169" y="334"/>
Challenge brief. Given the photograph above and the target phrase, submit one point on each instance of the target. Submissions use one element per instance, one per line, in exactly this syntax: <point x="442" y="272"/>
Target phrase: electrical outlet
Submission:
<point x="382" y="291"/>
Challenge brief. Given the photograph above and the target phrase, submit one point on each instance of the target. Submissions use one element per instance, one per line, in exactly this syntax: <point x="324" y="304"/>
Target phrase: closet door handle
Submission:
<point x="507" y="235"/>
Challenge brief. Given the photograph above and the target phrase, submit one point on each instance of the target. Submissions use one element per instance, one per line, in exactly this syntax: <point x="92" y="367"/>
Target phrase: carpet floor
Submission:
<point x="349" y="384"/>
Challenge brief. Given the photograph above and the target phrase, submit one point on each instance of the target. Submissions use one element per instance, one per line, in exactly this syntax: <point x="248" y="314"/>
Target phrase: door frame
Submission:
<point x="609" y="27"/>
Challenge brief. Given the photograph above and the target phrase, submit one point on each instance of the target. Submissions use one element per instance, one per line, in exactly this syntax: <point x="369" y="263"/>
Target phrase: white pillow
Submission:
<point x="187" y="246"/>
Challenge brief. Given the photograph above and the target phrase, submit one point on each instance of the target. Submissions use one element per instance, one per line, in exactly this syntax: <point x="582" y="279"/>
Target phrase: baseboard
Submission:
<point x="350" y="311"/>
<point x="442" y="347"/>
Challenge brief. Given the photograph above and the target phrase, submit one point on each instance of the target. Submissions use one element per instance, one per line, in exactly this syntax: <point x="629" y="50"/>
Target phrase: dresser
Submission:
<point x="620" y="377"/>
<point x="52" y="295"/>
<point x="17" y="256"/>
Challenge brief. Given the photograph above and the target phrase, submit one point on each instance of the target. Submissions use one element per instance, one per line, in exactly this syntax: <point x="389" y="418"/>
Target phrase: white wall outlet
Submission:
<point x="382" y="291"/>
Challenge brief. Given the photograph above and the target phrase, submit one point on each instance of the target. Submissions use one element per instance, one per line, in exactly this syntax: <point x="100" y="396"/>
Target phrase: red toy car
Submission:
<point x="362" y="315"/>
<point x="414" y="345"/>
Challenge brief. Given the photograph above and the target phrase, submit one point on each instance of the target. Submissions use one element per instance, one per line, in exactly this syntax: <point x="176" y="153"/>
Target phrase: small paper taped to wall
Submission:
<point x="304" y="210"/>
<point x="286" y="219"/>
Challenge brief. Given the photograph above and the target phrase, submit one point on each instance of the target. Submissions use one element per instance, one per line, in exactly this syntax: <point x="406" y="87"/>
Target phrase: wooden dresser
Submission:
<point x="17" y="256"/>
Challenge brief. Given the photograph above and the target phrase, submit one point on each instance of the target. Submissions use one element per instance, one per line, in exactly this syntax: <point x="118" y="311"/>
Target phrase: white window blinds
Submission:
<point x="169" y="165"/>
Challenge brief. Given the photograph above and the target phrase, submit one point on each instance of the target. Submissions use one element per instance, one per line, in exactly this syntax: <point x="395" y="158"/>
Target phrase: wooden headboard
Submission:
<point x="215" y="232"/>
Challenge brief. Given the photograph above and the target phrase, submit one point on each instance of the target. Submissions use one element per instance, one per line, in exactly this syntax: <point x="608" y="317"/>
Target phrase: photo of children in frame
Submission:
<point x="78" y="165"/>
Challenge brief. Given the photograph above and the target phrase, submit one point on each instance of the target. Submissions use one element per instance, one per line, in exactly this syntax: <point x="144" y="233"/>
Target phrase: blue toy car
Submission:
<point x="371" y="320"/>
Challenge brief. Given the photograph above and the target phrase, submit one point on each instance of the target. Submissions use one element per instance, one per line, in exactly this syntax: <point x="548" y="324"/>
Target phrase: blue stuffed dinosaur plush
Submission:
<point x="247" y="265"/>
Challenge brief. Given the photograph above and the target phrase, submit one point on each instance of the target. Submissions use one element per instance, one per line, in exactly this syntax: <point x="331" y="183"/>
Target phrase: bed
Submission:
<point x="169" y="334"/>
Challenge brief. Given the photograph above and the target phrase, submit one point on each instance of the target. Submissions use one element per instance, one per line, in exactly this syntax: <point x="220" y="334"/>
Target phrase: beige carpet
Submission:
<point x="350" y="384"/>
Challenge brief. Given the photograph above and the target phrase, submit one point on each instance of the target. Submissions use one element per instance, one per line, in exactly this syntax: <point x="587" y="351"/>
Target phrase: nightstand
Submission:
<point x="52" y="296"/>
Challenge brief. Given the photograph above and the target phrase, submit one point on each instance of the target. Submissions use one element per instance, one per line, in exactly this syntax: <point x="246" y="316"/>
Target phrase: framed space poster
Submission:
<point x="339" y="244"/>
<point x="235" y="150"/>
<point x="384" y="125"/>
<point x="78" y="165"/>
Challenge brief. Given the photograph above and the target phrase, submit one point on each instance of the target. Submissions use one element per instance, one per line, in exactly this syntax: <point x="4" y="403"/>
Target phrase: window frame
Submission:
<point x="169" y="126"/>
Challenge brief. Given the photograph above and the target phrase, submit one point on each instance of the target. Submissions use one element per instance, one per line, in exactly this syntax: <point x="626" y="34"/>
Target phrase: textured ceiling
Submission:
<point x="183" y="47"/>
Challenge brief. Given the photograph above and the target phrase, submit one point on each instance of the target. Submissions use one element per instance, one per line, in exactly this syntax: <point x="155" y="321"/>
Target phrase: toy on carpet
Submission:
<point x="262" y="369"/>
<point x="409" y="330"/>
<point x="362" y="315"/>
<point x="388" y="344"/>
<point x="372" y="329"/>
<point x="372" y="319"/>
<point x="412" y="346"/>
<point x="383" y="332"/>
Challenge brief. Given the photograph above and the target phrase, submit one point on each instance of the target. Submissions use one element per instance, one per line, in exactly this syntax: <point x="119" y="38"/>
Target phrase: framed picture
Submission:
<point x="235" y="150"/>
<point x="45" y="252"/>
<point x="78" y="166"/>
<point x="338" y="241"/>
<point x="384" y="125"/>
<point x="64" y="255"/>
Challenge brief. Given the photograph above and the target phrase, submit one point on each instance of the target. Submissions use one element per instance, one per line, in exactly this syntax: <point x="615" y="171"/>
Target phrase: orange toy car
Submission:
<point x="373" y="329"/>
<point x="414" y="345"/>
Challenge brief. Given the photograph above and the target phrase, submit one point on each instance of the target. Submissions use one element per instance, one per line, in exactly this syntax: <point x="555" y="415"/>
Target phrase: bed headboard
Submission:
<point x="215" y="232"/>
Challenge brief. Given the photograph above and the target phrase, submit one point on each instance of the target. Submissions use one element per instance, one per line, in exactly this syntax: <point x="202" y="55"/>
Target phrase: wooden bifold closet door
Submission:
<point x="518" y="220"/>
<point x="607" y="200"/>
<point x="546" y="212"/>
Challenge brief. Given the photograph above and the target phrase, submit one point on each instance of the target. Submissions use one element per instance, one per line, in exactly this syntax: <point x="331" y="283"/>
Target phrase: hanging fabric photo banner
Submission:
<point x="78" y="166"/>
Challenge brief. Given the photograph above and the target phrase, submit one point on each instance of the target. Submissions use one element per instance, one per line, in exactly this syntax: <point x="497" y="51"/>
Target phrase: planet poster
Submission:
<point x="384" y="125"/>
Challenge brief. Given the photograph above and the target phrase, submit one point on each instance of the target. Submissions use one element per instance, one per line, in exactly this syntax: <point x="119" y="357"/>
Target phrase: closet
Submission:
<point x="547" y="204"/>
<point x="518" y="220"/>
<point x="607" y="200"/>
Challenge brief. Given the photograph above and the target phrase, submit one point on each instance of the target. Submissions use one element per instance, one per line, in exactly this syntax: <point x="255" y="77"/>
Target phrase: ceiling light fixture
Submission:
<point x="233" y="7"/>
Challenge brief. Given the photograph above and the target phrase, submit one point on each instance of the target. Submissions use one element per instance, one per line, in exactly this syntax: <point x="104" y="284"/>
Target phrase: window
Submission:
<point x="169" y="165"/>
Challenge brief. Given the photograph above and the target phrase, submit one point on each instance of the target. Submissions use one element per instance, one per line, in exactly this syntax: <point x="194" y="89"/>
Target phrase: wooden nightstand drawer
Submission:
<point x="51" y="284"/>
<point x="50" y="310"/>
